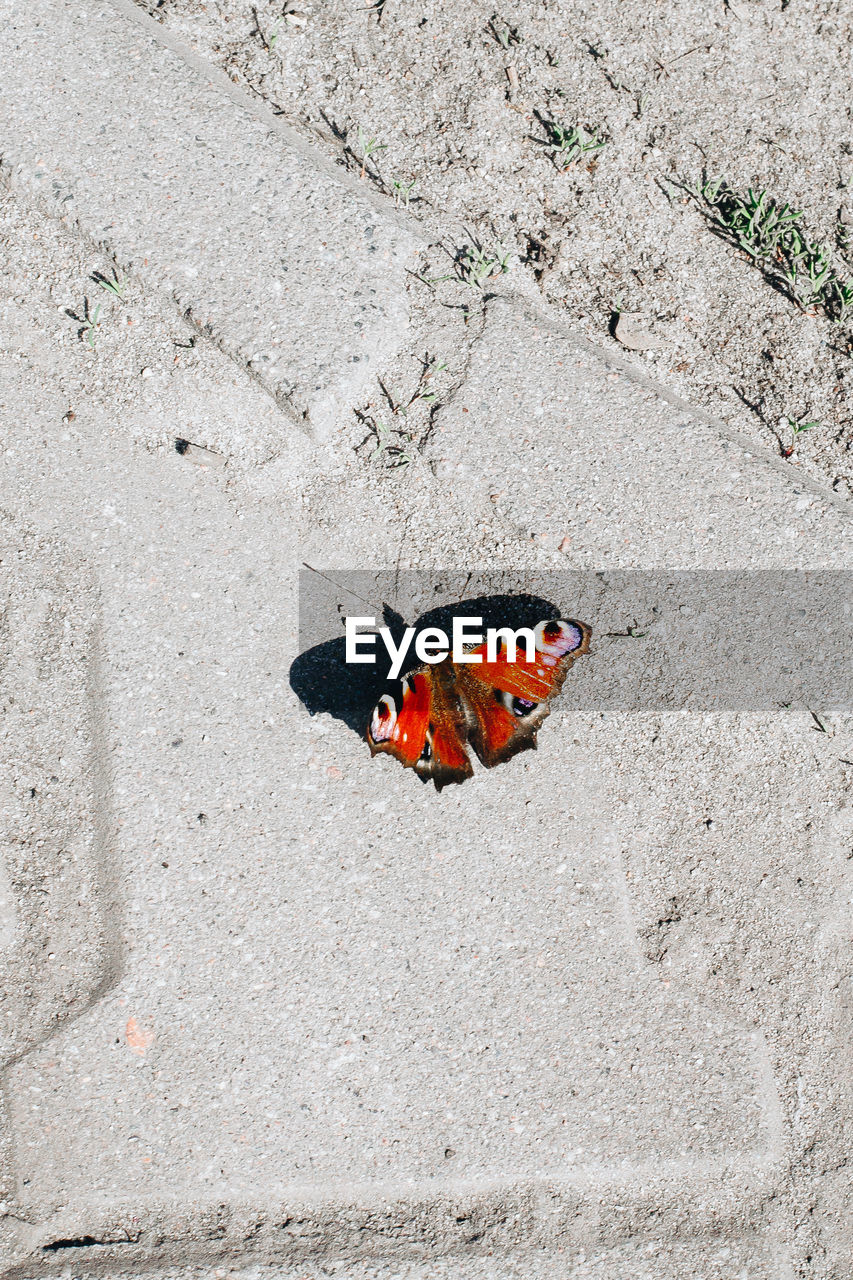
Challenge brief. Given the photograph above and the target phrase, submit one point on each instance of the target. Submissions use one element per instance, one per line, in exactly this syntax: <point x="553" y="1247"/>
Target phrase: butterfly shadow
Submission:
<point x="324" y="681"/>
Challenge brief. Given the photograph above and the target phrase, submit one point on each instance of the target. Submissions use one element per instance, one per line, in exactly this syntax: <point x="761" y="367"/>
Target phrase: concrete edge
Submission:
<point x="615" y="362"/>
<point x="296" y="139"/>
<point x="426" y="230"/>
<point x="291" y="386"/>
<point x="104" y="874"/>
<point x="673" y="1200"/>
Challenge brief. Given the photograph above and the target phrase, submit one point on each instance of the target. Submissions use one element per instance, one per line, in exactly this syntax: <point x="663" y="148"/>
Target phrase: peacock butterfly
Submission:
<point x="496" y="707"/>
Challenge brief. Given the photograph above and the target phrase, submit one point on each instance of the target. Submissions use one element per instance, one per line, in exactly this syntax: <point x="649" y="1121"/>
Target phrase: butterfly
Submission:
<point x="496" y="707"/>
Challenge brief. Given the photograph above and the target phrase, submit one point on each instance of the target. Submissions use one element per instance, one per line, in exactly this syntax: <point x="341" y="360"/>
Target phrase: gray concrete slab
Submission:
<point x="585" y="1015"/>
<point x="262" y="243"/>
<point x="351" y="1014"/>
<point x="56" y="886"/>
<point x="246" y="1055"/>
<point x="647" y="1261"/>
<point x="582" y="454"/>
<point x="58" y="890"/>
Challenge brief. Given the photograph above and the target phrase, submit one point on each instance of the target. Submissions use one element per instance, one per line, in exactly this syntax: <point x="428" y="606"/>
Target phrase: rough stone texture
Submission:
<point x="647" y="1261"/>
<point x="52" y="802"/>
<point x="584" y="455"/>
<point x="586" y="1015"/>
<point x="479" y="1048"/>
<point x="57" y="947"/>
<point x="260" y="242"/>
<point x="330" y="1033"/>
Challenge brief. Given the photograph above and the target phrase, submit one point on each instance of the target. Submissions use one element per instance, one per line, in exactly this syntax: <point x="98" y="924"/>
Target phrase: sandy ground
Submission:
<point x="449" y="108"/>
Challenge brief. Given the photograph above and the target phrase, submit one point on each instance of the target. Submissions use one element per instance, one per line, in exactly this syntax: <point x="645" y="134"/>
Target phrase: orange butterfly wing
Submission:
<point x="497" y="706"/>
<point x="426" y="731"/>
<point x="507" y="701"/>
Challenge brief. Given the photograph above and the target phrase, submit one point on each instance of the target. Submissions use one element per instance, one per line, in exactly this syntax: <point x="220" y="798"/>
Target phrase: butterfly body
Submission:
<point x="495" y="706"/>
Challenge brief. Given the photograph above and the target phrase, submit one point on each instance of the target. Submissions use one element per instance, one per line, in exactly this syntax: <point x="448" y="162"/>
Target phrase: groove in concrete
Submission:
<point x="260" y="243"/>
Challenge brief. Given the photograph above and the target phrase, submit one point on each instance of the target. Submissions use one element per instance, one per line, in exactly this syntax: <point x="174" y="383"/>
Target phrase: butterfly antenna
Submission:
<point x="339" y="585"/>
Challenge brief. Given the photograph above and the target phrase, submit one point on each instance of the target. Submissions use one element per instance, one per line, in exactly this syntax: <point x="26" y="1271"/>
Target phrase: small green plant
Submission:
<point x="117" y="286"/>
<point x="369" y="147"/>
<point x="807" y="272"/>
<point x="404" y="457"/>
<point x="568" y="144"/>
<point x="758" y="225"/>
<point x="423" y="393"/>
<point x="383" y="437"/>
<point x="394" y="445"/>
<point x="386" y="443"/>
<point x="505" y="35"/>
<point x="402" y="191"/>
<point x="797" y="427"/>
<point x="474" y="265"/>
<point x="839" y="299"/>
<point x="643" y="98"/>
<point x="88" y="322"/>
<point x="397" y="442"/>
<point x="773" y="235"/>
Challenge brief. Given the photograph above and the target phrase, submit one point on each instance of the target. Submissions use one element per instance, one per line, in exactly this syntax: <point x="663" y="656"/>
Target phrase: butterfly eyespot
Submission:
<point x="523" y="706"/>
<point x="556" y="638"/>
<point x="383" y="720"/>
<point x="426" y="754"/>
<point x="519" y="707"/>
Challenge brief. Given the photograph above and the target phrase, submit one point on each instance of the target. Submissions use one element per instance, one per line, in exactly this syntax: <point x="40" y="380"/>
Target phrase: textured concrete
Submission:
<point x="273" y="1008"/>
<point x="262" y="243"/>
<point x="315" y="1011"/>
<point x="645" y="1261"/>
<point x="347" y="1017"/>
<point x="56" y="887"/>
<point x="580" y="452"/>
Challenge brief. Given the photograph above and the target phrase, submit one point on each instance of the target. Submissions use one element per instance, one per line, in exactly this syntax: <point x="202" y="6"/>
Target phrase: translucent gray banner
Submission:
<point x="704" y="641"/>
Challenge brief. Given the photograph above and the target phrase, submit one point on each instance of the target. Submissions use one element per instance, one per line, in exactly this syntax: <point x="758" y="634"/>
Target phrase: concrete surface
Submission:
<point x="643" y="1262"/>
<point x="280" y="1010"/>
<point x="56" y="878"/>
<point x="461" y="95"/>
<point x="257" y="240"/>
<point x="535" y="430"/>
